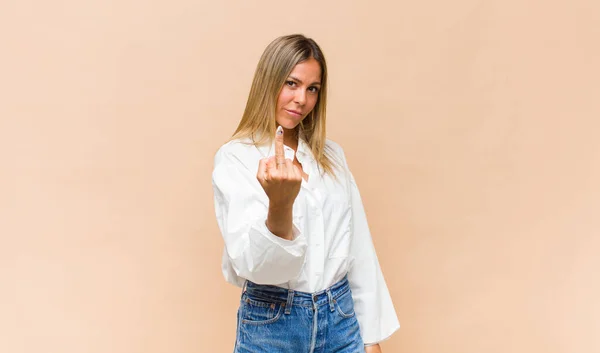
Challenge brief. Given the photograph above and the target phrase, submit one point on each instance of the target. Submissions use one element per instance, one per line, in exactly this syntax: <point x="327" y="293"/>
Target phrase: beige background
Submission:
<point x="471" y="127"/>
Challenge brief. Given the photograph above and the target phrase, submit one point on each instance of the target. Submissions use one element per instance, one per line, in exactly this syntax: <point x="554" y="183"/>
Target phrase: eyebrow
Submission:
<point x="300" y="81"/>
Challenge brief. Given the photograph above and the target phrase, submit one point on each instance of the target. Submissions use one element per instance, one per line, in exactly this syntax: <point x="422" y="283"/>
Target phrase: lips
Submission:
<point x="294" y="112"/>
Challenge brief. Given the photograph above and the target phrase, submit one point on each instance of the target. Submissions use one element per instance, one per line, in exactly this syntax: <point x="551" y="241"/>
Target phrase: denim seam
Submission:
<point x="264" y="322"/>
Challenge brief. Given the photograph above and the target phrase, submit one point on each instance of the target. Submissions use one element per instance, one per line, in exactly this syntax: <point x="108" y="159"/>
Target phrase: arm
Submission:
<point x="372" y="301"/>
<point x="281" y="181"/>
<point x="242" y="209"/>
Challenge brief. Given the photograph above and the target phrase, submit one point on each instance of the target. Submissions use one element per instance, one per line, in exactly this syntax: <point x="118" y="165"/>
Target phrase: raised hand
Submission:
<point x="279" y="177"/>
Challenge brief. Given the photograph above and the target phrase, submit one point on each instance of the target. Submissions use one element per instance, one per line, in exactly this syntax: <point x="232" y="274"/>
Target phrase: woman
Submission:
<point x="295" y="231"/>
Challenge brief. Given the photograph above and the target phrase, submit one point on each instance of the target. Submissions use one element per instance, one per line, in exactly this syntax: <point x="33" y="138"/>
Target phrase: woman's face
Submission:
<point x="299" y="94"/>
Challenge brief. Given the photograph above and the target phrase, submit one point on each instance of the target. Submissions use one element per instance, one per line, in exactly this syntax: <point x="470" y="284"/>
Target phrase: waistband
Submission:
<point x="292" y="297"/>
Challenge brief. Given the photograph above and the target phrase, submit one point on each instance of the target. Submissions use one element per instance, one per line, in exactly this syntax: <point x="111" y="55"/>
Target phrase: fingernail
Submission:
<point x="279" y="130"/>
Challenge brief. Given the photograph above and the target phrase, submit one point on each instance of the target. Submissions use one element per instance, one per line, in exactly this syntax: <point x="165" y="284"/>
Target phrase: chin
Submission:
<point x="287" y="124"/>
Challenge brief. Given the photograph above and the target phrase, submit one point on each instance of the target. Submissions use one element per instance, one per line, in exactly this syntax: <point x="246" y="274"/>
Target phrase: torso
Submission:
<point x="322" y="210"/>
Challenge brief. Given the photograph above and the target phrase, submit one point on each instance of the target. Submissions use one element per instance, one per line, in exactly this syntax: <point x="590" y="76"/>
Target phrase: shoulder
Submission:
<point x="233" y="166"/>
<point x="234" y="159"/>
<point x="334" y="147"/>
<point x="335" y="150"/>
<point x="238" y="150"/>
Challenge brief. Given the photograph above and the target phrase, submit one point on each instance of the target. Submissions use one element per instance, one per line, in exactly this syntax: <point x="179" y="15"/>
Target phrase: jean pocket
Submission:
<point x="344" y="305"/>
<point x="256" y="311"/>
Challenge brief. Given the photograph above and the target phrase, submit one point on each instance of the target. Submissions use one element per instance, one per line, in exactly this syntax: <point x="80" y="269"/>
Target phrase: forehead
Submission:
<point x="309" y="71"/>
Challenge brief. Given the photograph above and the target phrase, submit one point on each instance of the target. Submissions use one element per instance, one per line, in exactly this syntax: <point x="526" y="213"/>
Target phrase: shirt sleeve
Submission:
<point x="241" y="208"/>
<point x="373" y="304"/>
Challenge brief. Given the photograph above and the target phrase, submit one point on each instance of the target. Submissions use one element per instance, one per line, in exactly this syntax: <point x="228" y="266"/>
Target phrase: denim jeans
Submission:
<point x="272" y="319"/>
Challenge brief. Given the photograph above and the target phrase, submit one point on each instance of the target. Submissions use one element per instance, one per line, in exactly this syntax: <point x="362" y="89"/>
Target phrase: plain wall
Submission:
<point x="471" y="127"/>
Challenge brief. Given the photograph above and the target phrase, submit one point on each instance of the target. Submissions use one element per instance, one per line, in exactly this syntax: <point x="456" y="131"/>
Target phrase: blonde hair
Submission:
<point x="276" y="63"/>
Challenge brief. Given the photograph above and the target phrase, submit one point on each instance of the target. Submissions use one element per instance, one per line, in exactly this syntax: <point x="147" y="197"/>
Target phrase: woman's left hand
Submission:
<point x="373" y="349"/>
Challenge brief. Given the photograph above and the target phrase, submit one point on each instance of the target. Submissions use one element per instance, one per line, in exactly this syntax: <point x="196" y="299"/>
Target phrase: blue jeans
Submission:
<point x="272" y="319"/>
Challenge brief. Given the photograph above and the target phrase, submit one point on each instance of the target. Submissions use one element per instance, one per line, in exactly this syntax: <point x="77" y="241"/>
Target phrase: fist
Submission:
<point x="279" y="177"/>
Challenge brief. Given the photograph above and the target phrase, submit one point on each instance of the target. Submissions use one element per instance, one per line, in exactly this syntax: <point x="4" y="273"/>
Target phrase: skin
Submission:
<point x="281" y="178"/>
<point x="373" y="349"/>
<point x="298" y="94"/>
<point x="296" y="100"/>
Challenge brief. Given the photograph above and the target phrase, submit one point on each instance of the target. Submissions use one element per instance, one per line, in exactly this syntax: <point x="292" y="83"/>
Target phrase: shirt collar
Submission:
<point x="302" y="152"/>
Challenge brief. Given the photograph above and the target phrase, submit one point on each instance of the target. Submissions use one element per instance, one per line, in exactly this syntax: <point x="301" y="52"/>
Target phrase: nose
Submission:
<point x="300" y="97"/>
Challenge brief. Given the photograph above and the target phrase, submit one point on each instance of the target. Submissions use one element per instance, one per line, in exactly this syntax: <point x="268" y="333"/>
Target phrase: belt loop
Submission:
<point x="290" y="300"/>
<point x="244" y="287"/>
<point x="331" y="307"/>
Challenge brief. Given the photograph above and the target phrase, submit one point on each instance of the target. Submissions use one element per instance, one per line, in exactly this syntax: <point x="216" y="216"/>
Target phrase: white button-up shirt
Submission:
<point x="331" y="234"/>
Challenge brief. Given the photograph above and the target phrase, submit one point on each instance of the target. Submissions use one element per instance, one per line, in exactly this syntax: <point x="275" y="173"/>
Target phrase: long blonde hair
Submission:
<point x="276" y="63"/>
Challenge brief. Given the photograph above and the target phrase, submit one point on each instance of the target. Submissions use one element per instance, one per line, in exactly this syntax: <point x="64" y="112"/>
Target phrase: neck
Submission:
<point x="290" y="138"/>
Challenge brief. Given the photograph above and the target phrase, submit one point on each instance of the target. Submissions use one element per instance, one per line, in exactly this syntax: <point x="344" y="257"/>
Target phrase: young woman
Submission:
<point x="296" y="234"/>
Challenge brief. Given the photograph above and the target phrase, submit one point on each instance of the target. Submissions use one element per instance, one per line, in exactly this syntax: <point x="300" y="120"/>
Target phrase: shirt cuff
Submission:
<point x="384" y="339"/>
<point x="265" y="239"/>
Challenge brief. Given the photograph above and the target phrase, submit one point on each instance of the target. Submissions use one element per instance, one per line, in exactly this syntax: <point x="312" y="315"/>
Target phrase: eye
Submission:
<point x="313" y="89"/>
<point x="290" y="83"/>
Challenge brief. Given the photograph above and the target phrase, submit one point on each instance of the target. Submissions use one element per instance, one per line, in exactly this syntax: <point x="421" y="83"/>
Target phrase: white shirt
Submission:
<point x="331" y="234"/>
